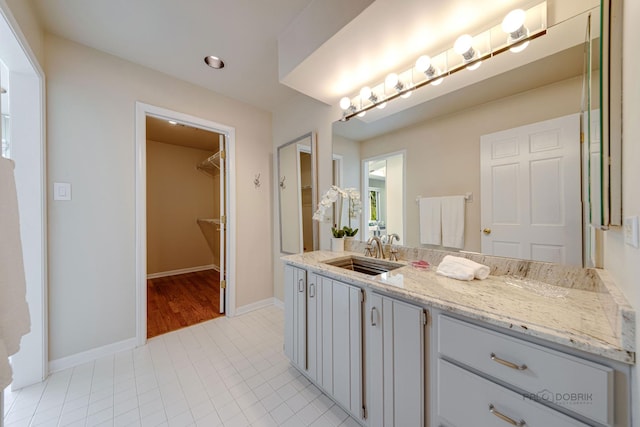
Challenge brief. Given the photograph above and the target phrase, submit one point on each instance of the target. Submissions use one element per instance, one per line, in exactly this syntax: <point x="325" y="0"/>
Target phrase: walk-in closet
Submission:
<point x="185" y="225"/>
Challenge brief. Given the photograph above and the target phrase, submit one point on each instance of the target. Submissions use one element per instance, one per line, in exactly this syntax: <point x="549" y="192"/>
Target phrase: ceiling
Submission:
<point x="160" y="130"/>
<point x="174" y="36"/>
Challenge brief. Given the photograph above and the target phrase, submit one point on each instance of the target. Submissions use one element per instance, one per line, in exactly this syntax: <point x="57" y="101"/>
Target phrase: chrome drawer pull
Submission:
<point x="312" y="290"/>
<point x="507" y="363"/>
<point x="503" y="417"/>
<point x="373" y="322"/>
<point x="300" y="285"/>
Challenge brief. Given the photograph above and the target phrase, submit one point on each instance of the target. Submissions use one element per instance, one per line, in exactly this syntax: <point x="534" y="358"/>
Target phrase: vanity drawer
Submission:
<point x="578" y="385"/>
<point x="466" y="399"/>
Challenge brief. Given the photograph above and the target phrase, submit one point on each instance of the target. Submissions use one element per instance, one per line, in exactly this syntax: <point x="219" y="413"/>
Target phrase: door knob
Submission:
<point x="487" y="231"/>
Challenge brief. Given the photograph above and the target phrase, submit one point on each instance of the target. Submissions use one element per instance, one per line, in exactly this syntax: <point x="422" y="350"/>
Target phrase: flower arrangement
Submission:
<point x="336" y="194"/>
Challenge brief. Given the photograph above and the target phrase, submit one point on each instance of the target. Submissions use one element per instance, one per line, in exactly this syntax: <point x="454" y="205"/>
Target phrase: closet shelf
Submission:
<point x="210" y="164"/>
<point x="209" y="220"/>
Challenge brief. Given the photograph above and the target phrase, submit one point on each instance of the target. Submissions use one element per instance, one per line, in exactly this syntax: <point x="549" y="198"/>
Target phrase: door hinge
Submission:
<point x="223" y="220"/>
<point x="425" y="317"/>
<point x="361" y="295"/>
<point x="363" y="415"/>
<point x="581" y="137"/>
<point x="223" y="154"/>
<point x="223" y="284"/>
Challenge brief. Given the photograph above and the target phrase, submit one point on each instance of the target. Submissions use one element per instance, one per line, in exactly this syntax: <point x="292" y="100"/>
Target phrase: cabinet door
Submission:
<point x="395" y="363"/>
<point x="314" y="327"/>
<point x="342" y="344"/>
<point x="295" y="305"/>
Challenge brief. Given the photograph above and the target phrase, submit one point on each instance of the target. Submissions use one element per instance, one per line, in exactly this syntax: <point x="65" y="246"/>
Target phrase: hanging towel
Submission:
<point x="462" y="268"/>
<point x="430" y="221"/>
<point x="14" y="312"/>
<point x="453" y="221"/>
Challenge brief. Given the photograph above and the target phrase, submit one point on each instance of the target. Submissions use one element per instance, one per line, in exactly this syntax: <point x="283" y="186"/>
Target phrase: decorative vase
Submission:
<point x="337" y="244"/>
<point x="348" y="241"/>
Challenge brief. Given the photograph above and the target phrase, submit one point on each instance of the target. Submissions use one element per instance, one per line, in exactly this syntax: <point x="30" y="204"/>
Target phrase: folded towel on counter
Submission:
<point x="462" y="268"/>
<point x="452" y="221"/>
<point x="430" y="224"/>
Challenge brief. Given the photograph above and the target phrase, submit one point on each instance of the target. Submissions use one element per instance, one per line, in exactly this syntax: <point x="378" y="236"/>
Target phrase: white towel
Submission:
<point x="453" y="221"/>
<point x="462" y="268"/>
<point x="430" y="221"/>
<point x="14" y="312"/>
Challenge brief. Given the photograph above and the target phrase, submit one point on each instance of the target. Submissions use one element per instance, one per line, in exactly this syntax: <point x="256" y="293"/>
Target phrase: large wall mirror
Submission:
<point x="297" y="195"/>
<point x="555" y="77"/>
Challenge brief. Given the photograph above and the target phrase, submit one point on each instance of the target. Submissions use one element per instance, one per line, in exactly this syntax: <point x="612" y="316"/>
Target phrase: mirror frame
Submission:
<point x="611" y="113"/>
<point x="312" y="143"/>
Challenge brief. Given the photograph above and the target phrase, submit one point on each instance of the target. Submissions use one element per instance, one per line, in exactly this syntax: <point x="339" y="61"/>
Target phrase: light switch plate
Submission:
<point x="630" y="228"/>
<point x="61" y="191"/>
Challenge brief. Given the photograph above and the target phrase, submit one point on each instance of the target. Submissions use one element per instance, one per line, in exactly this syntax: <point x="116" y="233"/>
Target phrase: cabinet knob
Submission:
<point x="486" y="231"/>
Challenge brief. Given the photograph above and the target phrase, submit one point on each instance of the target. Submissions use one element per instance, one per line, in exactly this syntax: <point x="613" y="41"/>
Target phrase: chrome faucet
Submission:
<point x="379" y="253"/>
<point x="393" y="252"/>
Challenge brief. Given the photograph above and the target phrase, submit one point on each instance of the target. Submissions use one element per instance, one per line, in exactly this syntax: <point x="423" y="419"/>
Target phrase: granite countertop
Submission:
<point x="572" y="317"/>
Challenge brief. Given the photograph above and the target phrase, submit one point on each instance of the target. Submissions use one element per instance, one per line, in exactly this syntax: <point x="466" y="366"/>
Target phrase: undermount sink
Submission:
<point x="369" y="266"/>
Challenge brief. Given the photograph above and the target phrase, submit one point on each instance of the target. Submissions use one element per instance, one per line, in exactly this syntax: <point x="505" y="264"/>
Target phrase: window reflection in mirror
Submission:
<point x="384" y="184"/>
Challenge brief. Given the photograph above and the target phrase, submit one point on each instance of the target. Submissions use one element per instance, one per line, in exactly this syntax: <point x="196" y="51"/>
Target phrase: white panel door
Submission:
<point x="395" y="363"/>
<point x="530" y="185"/>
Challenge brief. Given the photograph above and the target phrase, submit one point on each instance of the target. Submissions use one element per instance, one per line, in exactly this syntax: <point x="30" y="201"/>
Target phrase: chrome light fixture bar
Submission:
<point x="515" y="32"/>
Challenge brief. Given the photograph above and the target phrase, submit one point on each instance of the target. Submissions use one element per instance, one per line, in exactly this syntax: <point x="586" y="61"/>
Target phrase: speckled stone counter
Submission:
<point x="593" y="318"/>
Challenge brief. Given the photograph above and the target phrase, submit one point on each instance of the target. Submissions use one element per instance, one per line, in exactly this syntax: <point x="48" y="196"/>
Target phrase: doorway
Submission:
<point x="185" y="234"/>
<point x="184" y="197"/>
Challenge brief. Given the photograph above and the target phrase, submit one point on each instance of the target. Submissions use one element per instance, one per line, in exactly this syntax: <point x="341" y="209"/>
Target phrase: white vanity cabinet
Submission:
<point x="395" y="362"/>
<point x="499" y="380"/>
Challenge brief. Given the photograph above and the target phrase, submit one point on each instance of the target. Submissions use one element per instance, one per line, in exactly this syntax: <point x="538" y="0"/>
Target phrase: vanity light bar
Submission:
<point x="513" y="34"/>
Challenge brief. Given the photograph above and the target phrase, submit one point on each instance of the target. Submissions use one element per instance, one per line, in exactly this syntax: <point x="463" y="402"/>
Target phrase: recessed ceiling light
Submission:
<point x="172" y="122"/>
<point x="214" y="62"/>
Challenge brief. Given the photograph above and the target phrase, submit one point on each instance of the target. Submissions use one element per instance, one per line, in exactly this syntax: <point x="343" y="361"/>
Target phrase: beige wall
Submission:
<point x="443" y="153"/>
<point x="621" y="260"/>
<point x="91" y="100"/>
<point x="177" y="194"/>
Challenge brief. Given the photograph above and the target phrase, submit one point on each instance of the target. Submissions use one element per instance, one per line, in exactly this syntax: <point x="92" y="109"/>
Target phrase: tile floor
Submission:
<point x="225" y="372"/>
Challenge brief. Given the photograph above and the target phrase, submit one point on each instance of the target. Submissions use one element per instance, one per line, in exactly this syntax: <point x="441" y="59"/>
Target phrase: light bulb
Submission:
<point x="381" y="106"/>
<point x="463" y="45"/>
<point x="365" y="93"/>
<point x="362" y="114"/>
<point x="345" y="103"/>
<point x="437" y="82"/>
<point x="513" y="21"/>
<point x="423" y="63"/>
<point x="406" y="94"/>
<point x="391" y="80"/>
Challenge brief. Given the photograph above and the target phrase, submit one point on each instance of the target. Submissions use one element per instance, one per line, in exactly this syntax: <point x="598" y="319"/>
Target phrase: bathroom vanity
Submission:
<point x="408" y="347"/>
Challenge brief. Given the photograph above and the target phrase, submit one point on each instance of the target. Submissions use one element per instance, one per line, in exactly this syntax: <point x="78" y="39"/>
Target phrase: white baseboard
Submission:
<point x="278" y="303"/>
<point x="183" y="271"/>
<point x="254" y="306"/>
<point x="91" y="355"/>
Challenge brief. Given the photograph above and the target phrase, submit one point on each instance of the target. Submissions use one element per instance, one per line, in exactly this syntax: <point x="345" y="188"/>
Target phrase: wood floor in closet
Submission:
<point x="174" y="302"/>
